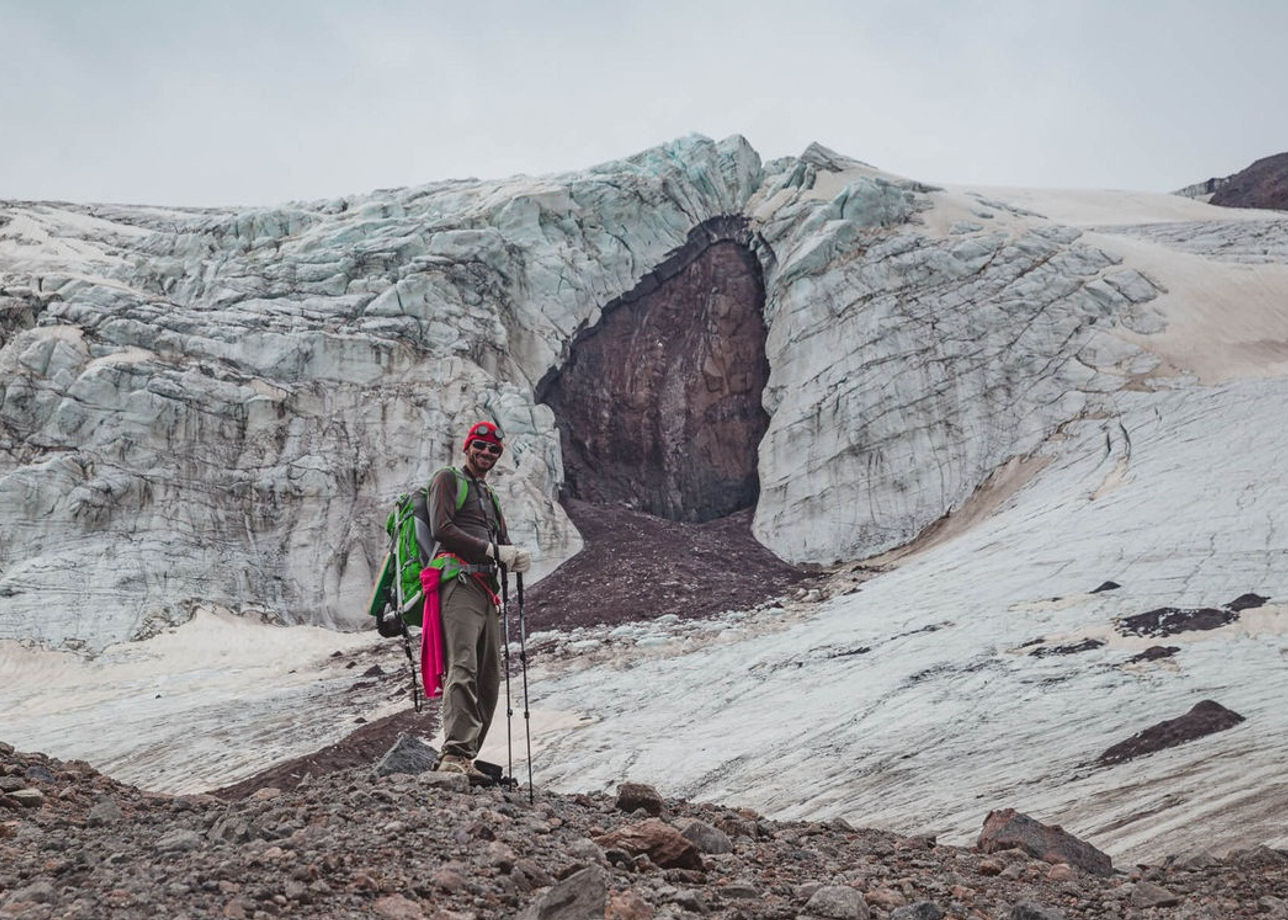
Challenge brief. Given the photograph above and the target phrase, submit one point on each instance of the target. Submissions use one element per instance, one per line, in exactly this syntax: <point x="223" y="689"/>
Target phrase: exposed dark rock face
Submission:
<point x="1264" y="184"/>
<point x="1205" y="718"/>
<point x="659" y="405"/>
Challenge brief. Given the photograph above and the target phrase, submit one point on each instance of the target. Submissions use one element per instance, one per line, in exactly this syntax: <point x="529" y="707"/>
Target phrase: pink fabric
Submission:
<point x="432" y="664"/>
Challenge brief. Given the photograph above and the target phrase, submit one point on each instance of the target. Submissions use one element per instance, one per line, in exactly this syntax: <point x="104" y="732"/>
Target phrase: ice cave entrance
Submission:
<point x="659" y="404"/>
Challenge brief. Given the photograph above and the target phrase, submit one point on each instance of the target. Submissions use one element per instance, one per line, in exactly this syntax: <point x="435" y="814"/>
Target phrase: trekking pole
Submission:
<point x="509" y="705"/>
<point x="523" y="663"/>
<point x="411" y="663"/>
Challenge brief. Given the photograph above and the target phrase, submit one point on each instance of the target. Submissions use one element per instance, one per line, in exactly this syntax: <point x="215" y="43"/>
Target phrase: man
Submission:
<point x="471" y="538"/>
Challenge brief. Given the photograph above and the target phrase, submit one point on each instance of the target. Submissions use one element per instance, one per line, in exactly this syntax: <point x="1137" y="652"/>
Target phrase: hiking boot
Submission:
<point x="455" y="763"/>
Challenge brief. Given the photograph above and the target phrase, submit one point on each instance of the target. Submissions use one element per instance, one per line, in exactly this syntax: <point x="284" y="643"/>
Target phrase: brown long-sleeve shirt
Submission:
<point x="468" y="532"/>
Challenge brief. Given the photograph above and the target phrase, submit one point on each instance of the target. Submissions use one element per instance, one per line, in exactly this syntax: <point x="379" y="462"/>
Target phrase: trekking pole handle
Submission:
<point x="496" y="557"/>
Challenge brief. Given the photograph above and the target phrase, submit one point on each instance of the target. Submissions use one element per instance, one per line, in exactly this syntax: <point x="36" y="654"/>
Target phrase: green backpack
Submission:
<point x="397" y="599"/>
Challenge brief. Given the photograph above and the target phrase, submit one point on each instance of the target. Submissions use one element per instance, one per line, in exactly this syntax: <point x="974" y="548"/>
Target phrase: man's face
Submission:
<point x="482" y="455"/>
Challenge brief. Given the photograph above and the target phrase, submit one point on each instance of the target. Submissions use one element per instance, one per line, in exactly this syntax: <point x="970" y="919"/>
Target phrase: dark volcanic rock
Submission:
<point x="1008" y="829"/>
<point x="1154" y="653"/>
<point x="1073" y="648"/>
<point x="659" y="405"/>
<point x="1246" y="602"/>
<point x="1205" y="718"/>
<point x="1171" y="621"/>
<point x="1264" y="184"/>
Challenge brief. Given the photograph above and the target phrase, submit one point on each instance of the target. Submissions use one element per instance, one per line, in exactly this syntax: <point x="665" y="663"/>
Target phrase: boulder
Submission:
<point x="179" y="840"/>
<point x="837" y="902"/>
<point x="581" y="896"/>
<point x="408" y="754"/>
<point x="660" y="842"/>
<point x="631" y="796"/>
<point x="1007" y="829"/>
<point x="26" y="798"/>
<point x="106" y="811"/>
<point x="706" y="838"/>
<point x="1146" y="894"/>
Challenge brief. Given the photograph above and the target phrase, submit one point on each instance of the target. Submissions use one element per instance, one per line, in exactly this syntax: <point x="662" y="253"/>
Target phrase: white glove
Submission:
<point x="515" y="558"/>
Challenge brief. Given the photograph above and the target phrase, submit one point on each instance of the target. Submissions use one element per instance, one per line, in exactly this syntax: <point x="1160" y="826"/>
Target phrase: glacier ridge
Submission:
<point x="213" y="409"/>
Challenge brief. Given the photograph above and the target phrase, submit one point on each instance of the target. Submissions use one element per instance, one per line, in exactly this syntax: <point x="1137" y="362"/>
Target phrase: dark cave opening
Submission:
<point x="659" y="404"/>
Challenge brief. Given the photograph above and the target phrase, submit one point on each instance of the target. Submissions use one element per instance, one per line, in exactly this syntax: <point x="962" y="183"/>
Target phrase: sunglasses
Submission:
<point x="484" y="445"/>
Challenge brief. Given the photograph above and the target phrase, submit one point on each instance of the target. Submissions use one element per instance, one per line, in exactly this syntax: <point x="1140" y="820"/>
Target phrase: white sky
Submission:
<point x="237" y="102"/>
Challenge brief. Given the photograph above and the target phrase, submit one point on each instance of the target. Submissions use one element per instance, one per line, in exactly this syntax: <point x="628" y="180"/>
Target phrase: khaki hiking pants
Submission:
<point x="472" y="648"/>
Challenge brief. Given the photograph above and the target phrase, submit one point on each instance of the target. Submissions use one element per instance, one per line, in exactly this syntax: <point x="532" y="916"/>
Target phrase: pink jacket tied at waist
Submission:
<point x="431" y="634"/>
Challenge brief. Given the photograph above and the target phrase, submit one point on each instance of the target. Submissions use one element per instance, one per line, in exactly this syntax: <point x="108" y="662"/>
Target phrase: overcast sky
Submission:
<point x="234" y="102"/>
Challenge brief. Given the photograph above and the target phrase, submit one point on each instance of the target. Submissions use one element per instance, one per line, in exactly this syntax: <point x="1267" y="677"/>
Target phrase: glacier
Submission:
<point x="996" y="399"/>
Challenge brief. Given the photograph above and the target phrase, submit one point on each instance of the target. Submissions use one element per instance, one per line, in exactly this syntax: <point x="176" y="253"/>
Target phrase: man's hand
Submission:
<point x="515" y="558"/>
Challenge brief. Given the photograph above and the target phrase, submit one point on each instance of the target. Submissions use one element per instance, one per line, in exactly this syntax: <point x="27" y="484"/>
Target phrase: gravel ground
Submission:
<point x="76" y="844"/>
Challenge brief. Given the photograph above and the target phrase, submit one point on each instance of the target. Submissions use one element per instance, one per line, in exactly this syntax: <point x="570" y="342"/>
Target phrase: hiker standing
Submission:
<point x="471" y="538"/>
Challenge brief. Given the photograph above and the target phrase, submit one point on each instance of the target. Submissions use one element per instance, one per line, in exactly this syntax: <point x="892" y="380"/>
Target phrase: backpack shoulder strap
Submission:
<point x="463" y="491"/>
<point x="462" y="487"/>
<point x="496" y="504"/>
<point x="425" y="545"/>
